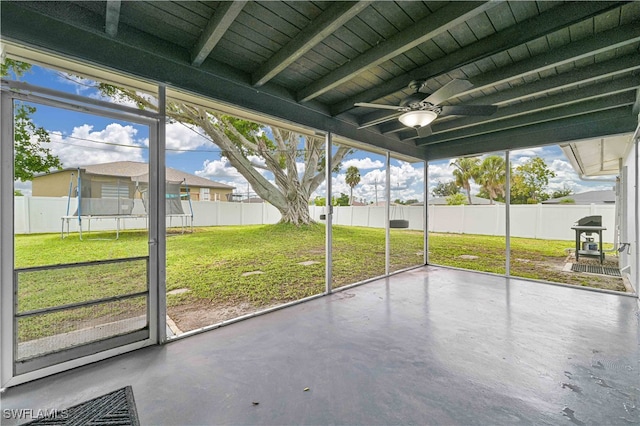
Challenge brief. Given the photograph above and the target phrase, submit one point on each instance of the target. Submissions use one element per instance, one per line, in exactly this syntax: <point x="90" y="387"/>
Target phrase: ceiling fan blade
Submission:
<point x="379" y="106"/>
<point x="468" y="110"/>
<point x="378" y="118"/>
<point x="424" y="131"/>
<point x="449" y="90"/>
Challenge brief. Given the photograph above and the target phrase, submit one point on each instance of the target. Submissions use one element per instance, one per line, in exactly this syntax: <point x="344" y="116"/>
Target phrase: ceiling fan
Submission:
<point x="421" y="109"/>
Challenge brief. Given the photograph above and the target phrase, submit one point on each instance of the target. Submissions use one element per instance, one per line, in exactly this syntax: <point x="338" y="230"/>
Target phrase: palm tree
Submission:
<point x="492" y="175"/>
<point x="466" y="169"/>
<point x="352" y="179"/>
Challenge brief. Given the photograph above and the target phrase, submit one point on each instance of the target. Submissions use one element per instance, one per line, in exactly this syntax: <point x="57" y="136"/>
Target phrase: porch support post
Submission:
<point x="636" y="273"/>
<point x="6" y="240"/>
<point x="328" y="271"/>
<point x="157" y="224"/>
<point x="507" y="215"/>
<point x="387" y="215"/>
<point x="425" y="212"/>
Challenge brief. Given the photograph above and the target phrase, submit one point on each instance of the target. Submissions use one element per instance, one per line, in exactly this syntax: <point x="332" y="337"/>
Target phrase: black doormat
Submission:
<point x="115" y="408"/>
<point x="596" y="269"/>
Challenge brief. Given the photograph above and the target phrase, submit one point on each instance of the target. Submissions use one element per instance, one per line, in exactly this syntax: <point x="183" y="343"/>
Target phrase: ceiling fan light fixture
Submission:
<point x="417" y="118"/>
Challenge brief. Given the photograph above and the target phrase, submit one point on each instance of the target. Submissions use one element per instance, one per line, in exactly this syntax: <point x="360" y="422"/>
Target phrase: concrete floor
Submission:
<point x="429" y="346"/>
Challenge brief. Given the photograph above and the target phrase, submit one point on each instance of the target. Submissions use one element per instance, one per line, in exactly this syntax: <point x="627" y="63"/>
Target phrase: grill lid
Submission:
<point x="590" y="221"/>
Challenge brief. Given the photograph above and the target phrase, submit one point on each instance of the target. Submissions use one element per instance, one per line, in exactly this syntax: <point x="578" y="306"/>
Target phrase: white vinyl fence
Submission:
<point x="43" y="215"/>
<point x="540" y="221"/>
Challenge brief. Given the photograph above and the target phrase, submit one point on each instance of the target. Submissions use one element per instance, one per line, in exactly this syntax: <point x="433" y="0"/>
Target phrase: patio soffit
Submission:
<point x="598" y="156"/>
<point x="557" y="71"/>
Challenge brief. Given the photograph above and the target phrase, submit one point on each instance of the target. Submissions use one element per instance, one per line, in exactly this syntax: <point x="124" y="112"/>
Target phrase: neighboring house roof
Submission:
<point x="140" y="172"/>
<point x="590" y="197"/>
<point x="252" y="200"/>
<point x="442" y="201"/>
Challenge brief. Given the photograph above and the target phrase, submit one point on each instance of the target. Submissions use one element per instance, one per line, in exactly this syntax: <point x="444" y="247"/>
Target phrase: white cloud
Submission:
<point x="528" y="152"/>
<point x="186" y="136"/>
<point x="79" y="84"/>
<point x="363" y="163"/>
<point x="406" y="183"/>
<point x="23" y="187"/>
<point x="219" y="169"/>
<point x="257" y="160"/>
<point x="85" y="146"/>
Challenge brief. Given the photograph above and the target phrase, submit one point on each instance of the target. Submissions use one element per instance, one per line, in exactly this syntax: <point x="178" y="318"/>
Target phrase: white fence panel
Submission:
<point x="524" y="221"/>
<point x="415" y="216"/>
<point x="205" y="213"/>
<point x="486" y="220"/>
<point x="43" y="215"/>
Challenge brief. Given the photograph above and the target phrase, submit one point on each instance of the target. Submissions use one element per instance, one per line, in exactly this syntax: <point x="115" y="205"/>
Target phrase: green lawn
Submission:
<point x="210" y="263"/>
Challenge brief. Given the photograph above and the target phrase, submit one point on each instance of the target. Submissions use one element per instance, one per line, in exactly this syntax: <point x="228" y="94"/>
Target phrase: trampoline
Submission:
<point x="121" y="199"/>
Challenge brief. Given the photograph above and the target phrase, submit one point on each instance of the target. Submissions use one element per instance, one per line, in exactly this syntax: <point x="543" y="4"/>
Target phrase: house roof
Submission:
<point x="590" y="197"/>
<point x="558" y="71"/>
<point x="140" y="172"/>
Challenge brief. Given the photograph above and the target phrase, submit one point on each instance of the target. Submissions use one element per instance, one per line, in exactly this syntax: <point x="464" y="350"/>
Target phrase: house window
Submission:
<point x="113" y="190"/>
<point x="204" y="194"/>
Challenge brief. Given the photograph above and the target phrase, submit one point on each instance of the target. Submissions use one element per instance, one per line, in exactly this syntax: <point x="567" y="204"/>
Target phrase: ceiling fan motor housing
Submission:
<point x="416" y="102"/>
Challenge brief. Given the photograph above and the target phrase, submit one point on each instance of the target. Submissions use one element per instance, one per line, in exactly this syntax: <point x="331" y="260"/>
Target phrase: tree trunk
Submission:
<point x="296" y="211"/>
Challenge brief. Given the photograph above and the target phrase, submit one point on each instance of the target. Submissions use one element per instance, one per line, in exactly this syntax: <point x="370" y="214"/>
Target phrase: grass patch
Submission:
<point x="210" y="263"/>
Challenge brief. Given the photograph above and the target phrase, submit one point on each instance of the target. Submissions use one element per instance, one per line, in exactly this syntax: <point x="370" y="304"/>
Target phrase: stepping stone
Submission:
<point x="246" y="274"/>
<point x="308" y="263"/>
<point x="179" y="291"/>
<point x="468" y="257"/>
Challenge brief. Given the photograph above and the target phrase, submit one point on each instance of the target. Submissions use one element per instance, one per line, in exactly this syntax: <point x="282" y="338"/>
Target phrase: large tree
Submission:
<point x="565" y="191"/>
<point x="241" y="141"/>
<point x="445" y="189"/>
<point x="352" y="179"/>
<point x="31" y="153"/>
<point x="492" y="176"/>
<point x="530" y="181"/>
<point x="466" y="169"/>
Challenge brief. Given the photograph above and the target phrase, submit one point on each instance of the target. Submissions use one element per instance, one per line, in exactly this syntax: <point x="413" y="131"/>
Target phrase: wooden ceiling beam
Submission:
<point x="222" y="19"/>
<point x="516" y="35"/>
<point x="112" y="17"/>
<point x="576" y="109"/>
<point x="320" y="28"/>
<point x="437" y="23"/>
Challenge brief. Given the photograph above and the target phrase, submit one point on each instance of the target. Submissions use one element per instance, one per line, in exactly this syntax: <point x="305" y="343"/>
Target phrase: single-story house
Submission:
<point x="125" y="174"/>
<point x="607" y="196"/>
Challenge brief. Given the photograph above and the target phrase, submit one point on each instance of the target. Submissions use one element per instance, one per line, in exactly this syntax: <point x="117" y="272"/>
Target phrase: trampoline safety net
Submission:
<point x="118" y="198"/>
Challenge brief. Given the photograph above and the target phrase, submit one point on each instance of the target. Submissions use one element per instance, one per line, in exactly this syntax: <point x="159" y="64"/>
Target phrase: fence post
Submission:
<point x="432" y="218"/>
<point x="538" y="228"/>
<point x="27" y="213"/>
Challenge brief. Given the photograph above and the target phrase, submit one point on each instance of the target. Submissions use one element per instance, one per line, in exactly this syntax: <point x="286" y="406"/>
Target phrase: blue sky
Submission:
<point x="80" y="139"/>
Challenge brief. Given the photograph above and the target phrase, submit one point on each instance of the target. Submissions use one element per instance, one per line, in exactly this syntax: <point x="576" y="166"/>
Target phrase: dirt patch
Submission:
<point x="553" y="269"/>
<point x="197" y="314"/>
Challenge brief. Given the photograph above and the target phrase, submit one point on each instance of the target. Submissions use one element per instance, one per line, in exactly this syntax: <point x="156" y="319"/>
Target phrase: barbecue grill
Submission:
<point x="588" y="226"/>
